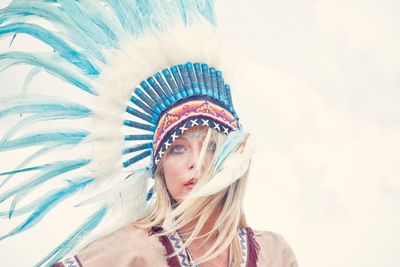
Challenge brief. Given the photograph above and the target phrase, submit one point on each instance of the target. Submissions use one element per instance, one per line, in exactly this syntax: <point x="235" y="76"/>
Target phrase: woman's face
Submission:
<point x="180" y="161"/>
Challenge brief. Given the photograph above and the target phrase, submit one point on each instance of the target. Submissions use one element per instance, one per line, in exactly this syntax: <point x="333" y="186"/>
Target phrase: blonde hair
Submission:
<point x="175" y="217"/>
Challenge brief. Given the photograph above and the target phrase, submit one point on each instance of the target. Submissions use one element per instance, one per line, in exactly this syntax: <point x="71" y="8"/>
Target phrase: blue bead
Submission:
<point x="214" y="85"/>
<point x="139" y="114"/>
<point x="138" y="137"/>
<point x="179" y="81"/>
<point x="193" y="78"/>
<point x="172" y="84"/>
<point x="187" y="83"/>
<point x="138" y="148"/>
<point x="200" y="78"/>
<point x="140" y="104"/>
<point x="158" y="90"/>
<point x="152" y="95"/>
<point x="164" y="86"/>
<point x="207" y="79"/>
<point x="142" y="96"/>
<point x="139" y="125"/>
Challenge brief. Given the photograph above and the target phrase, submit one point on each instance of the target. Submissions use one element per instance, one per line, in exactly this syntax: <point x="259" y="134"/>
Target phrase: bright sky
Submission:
<point x="316" y="83"/>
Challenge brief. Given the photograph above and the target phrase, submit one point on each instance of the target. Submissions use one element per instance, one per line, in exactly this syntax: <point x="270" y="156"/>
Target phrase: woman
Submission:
<point x="153" y="67"/>
<point x="210" y="229"/>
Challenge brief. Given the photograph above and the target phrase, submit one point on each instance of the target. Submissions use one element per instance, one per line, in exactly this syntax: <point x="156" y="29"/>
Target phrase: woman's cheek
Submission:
<point x="174" y="173"/>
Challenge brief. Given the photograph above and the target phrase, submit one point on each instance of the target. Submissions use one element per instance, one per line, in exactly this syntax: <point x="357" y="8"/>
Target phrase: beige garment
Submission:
<point x="133" y="247"/>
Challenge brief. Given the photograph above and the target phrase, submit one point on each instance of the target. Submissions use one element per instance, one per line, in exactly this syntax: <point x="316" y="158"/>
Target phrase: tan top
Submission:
<point x="133" y="247"/>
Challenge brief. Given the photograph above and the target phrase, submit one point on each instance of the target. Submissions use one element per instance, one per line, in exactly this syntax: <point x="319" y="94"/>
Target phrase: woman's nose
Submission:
<point x="193" y="158"/>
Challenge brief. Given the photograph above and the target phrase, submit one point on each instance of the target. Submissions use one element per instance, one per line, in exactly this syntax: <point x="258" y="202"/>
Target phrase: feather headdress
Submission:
<point x="141" y="73"/>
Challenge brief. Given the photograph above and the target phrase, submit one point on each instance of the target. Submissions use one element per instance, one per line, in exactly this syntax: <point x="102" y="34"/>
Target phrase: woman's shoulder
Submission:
<point x="127" y="246"/>
<point x="274" y="249"/>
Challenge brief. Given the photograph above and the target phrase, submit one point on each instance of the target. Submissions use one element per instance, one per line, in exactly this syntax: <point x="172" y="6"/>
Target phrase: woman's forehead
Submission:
<point x="197" y="132"/>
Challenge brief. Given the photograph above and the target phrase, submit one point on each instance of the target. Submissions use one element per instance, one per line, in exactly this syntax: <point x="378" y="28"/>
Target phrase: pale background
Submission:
<point x="317" y="85"/>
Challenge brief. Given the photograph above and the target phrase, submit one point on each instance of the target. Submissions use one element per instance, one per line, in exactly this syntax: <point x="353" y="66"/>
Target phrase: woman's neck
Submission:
<point x="187" y="230"/>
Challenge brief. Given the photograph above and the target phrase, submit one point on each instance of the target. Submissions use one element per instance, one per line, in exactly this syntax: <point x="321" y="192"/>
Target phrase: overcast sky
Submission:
<point x="316" y="83"/>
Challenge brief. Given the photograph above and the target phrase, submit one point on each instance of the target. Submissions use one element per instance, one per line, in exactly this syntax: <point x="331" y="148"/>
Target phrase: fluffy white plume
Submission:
<point x="233" y="168"/>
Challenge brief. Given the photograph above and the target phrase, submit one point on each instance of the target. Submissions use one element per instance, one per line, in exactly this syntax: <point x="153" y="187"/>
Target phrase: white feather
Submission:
<point x="233" y="168"/>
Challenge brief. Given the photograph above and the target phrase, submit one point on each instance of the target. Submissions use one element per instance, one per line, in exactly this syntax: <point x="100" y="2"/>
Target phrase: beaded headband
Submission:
<point x="174" y="100"/>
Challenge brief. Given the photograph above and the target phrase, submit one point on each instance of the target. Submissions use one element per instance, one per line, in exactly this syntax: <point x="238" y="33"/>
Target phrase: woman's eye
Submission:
<point x="177" y="149"/>
<point x="212" y="147"/>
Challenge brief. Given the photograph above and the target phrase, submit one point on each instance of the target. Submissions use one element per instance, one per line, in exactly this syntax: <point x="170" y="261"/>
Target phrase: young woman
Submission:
<point x="206" y="231"/>
<point x="152" y="92"/>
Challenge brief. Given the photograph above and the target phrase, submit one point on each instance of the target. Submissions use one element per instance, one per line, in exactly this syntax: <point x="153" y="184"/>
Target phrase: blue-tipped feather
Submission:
<point x="187" y="84"/>
<point x="140" y="115"/>
<point x="23" y="170"/>
<point x="26" y="161"/>
<point x="204" y="7"/>
<point x="139" y="125"/>
<point x="71" y="241"/>
<point x="94" y="28"/>
<point x="62" y="193"/>
<point x="19" y="11"/>
<point x="50" y="62"/>
<point x="159" y="91"/>
<point x="150" y="193"/>
<point x="233" y="141"/>
<point x="48" y="172"/>
<point x="137" y="148"/>
<point x="153" y="96"/>
<point x="59" y="137"/>
<point x="193" y="79"/>
<point x="221" y="87"/>
<point x="137" y="158"/>
<point x="58" y="44"/>
<point x="38" y="104"/>
<point x="29" y="77"/>
<point x="214" y="84"/>
<point x="179" y="81"/>
<point x="46" y="204"/>
<point x="149" y="101"/>
<point x="138" y="137"/>
<point x="27" y="122"/>
<point x="165" y="87"/>
<point x="127" y="15"/>
<point x="143" y="106"/>
<point x="172" y="84"/>
<point x="207" y="79"/>
<point x="200" y="79"/>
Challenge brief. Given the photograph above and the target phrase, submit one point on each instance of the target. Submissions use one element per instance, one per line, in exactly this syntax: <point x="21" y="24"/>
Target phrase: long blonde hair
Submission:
<point x="174" y="216"/>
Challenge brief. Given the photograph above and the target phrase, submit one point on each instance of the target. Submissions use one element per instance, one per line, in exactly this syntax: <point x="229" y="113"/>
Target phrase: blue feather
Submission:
<point x="32" y="157"/>
<point x="52" y="12"/>
<point x="23" y="170"/>
<point x="128" y="16"/>
<point x="38" y="104"/>
<point x="51" y="62"/>
<point x="71" y="241"/>
<point x="29" y="77"/>
<point x="58" y="44"/>
<point x="50" y="171"/>
<point x="43" y="207"/>
<point x="59" y="137"/>
<point x="233" y="141"/>
<point x="31" y="206"/>
<point x="94" y="28"/>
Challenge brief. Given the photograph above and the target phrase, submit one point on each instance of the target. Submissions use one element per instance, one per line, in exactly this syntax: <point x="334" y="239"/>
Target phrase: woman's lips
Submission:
<point x="190" y="184"/>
